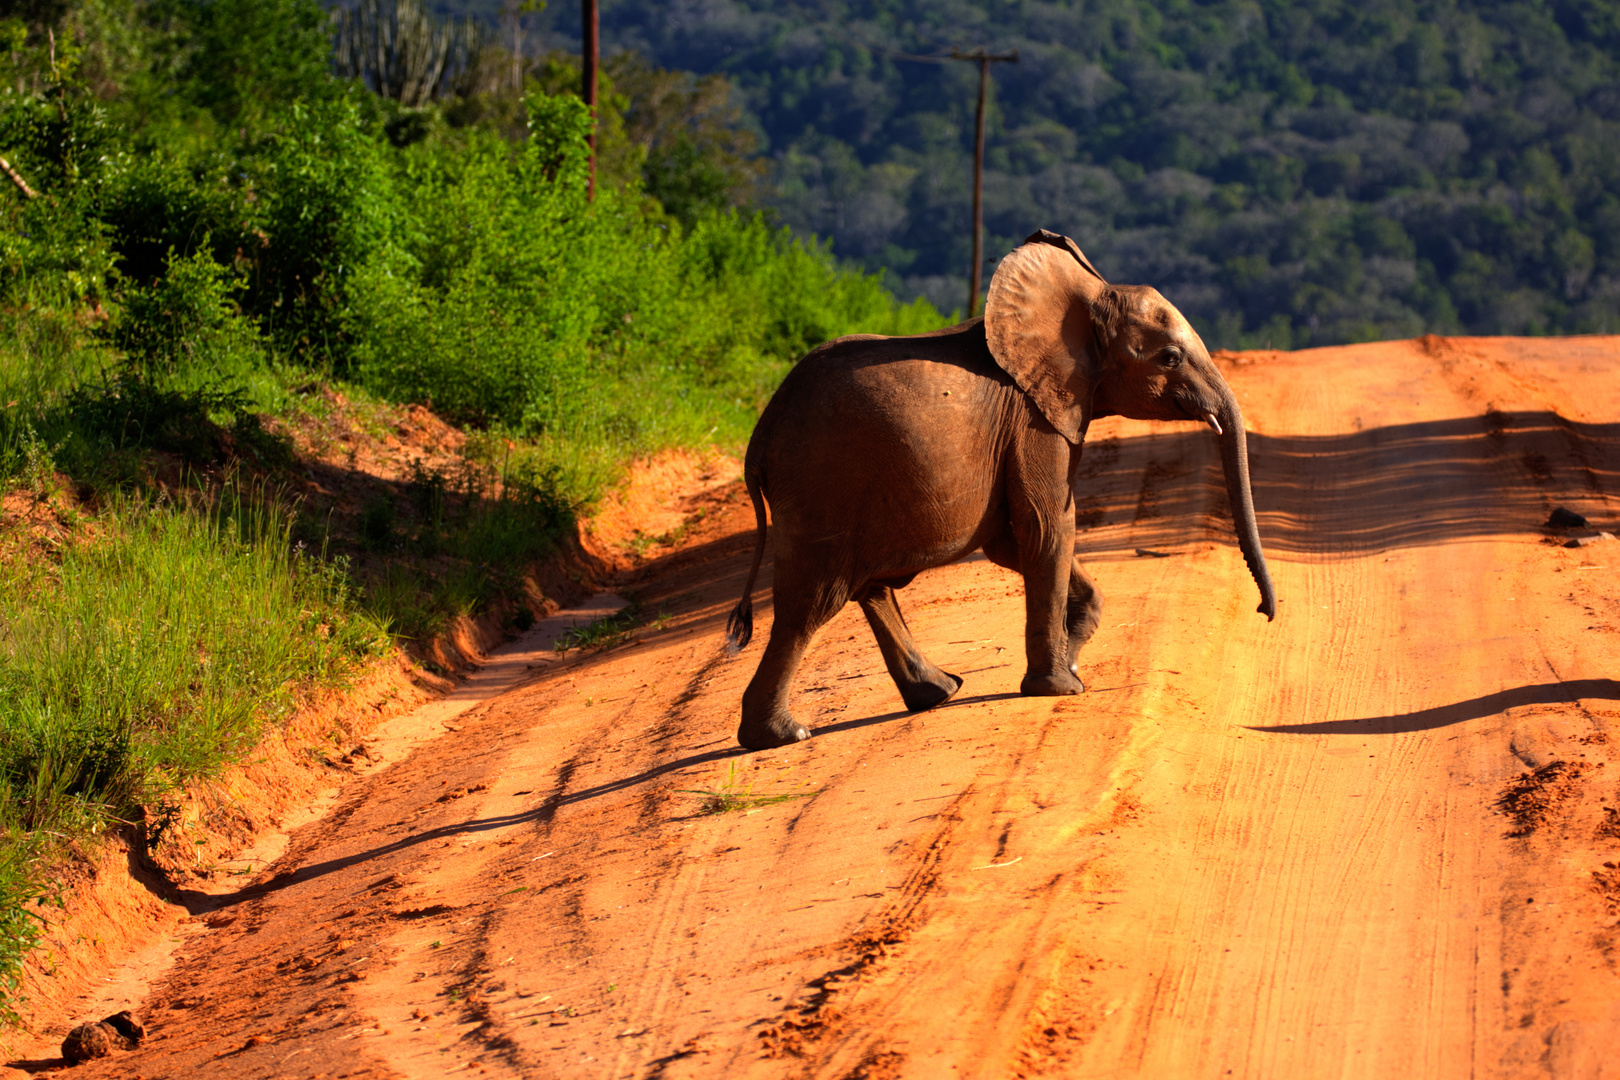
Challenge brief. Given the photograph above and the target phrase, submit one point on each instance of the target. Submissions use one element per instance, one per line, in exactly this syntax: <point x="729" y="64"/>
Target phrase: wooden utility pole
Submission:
<point x="984" y="60"/>
<point x="591" y="60"/>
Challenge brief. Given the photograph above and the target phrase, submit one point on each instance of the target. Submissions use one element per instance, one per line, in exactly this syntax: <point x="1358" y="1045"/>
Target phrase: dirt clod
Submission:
<point x="89" y="1041"/>
<point x="127" y="1025"/>
<point x="1530" y="798"/>
<point x="1562" y="518"/>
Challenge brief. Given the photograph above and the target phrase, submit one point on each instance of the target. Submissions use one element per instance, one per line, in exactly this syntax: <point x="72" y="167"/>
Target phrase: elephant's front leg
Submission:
<point x="1084" y="608"/>
<point x="1041" y="516"/>
<point x="922" y="685"/>
<point x="1048" y="647"/>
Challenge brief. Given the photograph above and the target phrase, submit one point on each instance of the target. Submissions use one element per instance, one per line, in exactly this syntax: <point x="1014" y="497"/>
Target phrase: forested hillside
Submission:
<point x="1292" y="171"/>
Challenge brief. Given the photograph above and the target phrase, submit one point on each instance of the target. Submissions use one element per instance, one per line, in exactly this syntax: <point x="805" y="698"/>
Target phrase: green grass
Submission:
<point x="455" y="542"/>
<point x="734" y="794"/>
<point x="26" y="887"/>
<point x="156" y="650"/>
<point x="604" y="633"/>
<point x="147" y="651"/>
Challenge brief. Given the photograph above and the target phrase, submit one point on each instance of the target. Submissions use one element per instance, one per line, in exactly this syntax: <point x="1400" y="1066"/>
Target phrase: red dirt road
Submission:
<point x="1375" y="838"/>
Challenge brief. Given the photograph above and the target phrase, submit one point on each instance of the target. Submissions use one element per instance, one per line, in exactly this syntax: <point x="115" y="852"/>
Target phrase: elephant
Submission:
<point x="882" y="457"/>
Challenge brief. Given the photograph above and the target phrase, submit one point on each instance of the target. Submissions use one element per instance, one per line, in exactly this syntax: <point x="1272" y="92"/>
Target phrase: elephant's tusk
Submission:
<point x="1209" y="418"/>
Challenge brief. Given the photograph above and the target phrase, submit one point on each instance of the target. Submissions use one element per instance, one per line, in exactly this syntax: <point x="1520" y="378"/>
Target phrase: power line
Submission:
<point x="984" y="59"/>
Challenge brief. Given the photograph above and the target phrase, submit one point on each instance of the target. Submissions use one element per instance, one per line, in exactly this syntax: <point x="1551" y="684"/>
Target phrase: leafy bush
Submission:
<point x="512" y="303"/>
<point x="329" y="209"/>
<point x="241" y="60"/>
<point x="96" y="430"/>
<point x="158" y="206"/>
<point x="54" y="248"/>
<point x="183" y="320"/>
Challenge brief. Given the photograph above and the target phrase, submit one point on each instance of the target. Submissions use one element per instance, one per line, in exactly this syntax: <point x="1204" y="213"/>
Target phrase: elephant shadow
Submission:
<point x="1556" y="693"/>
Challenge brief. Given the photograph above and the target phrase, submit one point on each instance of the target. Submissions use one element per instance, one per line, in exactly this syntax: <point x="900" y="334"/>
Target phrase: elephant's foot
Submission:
<point x="778" y="729"/>
<point x="927" y="694"/>
<point x="1060" y="684"/>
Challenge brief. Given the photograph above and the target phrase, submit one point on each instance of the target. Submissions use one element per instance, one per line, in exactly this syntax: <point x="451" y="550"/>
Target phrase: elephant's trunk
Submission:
<point x="1235" y="458"/>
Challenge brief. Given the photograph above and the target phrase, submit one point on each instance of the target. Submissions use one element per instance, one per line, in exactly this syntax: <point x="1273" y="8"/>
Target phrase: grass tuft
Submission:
<point x="604" y="633"/>
<point x="735" y="794"/>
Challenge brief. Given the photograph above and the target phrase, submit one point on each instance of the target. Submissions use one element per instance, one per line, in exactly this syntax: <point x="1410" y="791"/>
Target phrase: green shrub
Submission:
<point x="328" y="211"/>
<point x="158" y="206"/>
<point x="595" y="331"/>
<point x="185" y="320"/>
<point x="54" y="248"/>
<point x="96" y="428"/>
<point x="243" y="59"/>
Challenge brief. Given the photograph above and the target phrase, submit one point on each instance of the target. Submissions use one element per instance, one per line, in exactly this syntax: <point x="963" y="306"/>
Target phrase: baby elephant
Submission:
<point x="883" y="457"/>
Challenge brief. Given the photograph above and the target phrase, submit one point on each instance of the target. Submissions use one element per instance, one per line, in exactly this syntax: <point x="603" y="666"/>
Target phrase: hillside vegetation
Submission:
<point x="1293" y="171"/>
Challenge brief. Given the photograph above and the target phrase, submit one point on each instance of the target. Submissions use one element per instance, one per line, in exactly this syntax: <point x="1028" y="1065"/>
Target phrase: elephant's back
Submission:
<point x="865" y="378"/>
<point x="894" y="444"/>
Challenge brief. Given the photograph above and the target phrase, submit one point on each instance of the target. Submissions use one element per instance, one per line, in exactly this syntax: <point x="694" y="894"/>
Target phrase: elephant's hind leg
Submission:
<point x="801" y="610"/>
<point x="922" y="685"/>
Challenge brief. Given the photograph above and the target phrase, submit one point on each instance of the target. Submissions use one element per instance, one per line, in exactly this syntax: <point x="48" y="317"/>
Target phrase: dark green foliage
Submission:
<point x="242" y="60"/>
<point x="698" y="151"/>
<point x="156" y="206"/>
<point x="184" y="319"/>
<point x="377" y="524"/>
<point x="328" y="208"/>
<point x="685" y="180"/>
<point x="96" y="428"/>
<point x="1228" y="152"/>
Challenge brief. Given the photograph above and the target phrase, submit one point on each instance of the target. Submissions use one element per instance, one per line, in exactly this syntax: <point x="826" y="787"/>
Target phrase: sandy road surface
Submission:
<point x="1367" y="840"/>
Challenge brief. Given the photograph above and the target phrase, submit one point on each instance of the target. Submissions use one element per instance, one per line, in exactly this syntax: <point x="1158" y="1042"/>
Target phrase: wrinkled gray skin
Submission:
<point x="883" y="457"/>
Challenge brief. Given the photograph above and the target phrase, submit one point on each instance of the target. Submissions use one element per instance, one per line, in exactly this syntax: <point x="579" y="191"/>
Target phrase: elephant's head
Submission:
<point x="1082" y="348"/>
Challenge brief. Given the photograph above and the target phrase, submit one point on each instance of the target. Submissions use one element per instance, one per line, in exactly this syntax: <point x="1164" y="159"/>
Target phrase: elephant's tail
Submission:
<point x="740" y="627"/>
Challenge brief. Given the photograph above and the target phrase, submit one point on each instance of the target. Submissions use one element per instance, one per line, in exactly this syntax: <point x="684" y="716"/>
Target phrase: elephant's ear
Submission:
<point x="1038" y="320"/>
